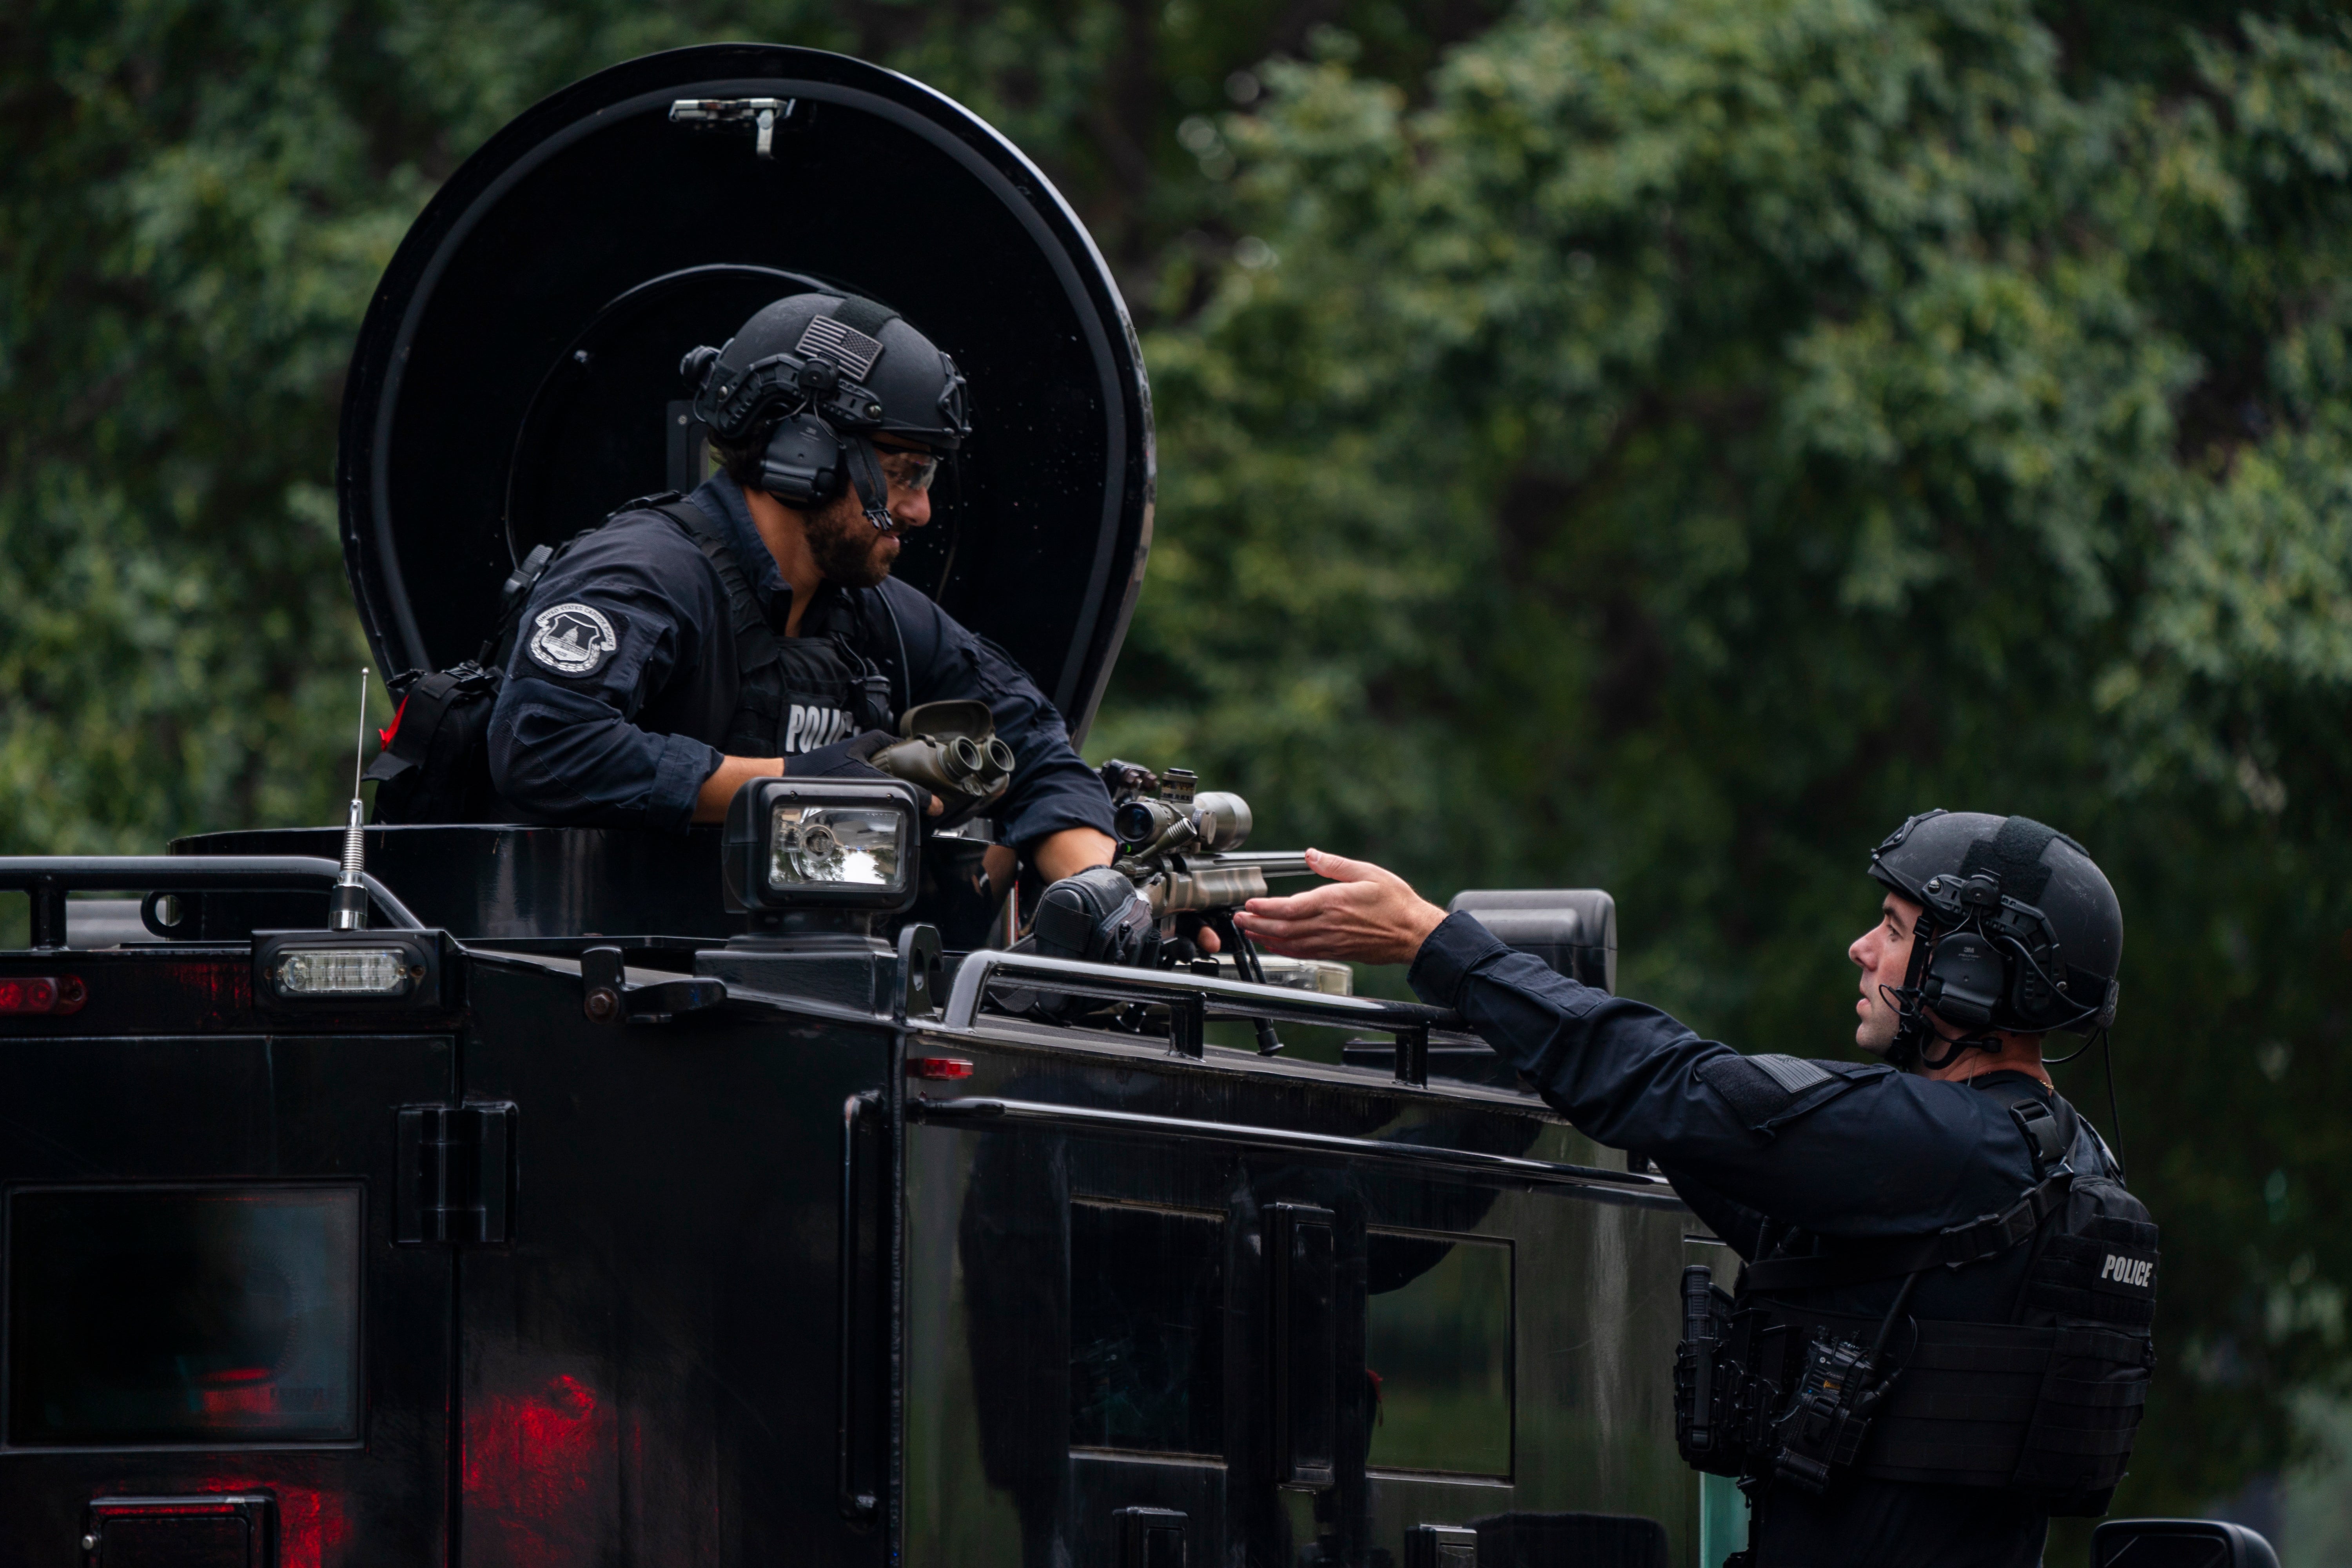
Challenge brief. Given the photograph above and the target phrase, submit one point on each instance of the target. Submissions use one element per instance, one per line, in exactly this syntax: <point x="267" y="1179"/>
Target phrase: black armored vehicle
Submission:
<point x="512" y="1194"/>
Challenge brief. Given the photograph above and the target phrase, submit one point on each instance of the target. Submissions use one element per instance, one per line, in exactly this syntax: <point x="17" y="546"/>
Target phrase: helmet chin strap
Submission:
<point x="1985" y="1043"/>
<point x="873" y="486"/>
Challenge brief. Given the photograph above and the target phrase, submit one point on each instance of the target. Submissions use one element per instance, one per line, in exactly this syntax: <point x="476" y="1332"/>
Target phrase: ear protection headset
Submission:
<point x="817" y="403"/>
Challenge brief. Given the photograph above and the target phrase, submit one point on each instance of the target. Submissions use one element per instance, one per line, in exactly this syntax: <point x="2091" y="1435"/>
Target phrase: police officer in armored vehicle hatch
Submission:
<point x="1941" y="1333"/>
<point x="753" y="628"/>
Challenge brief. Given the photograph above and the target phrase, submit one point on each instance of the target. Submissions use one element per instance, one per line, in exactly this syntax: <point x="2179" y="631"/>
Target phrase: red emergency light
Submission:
<point x="42" y="994"/>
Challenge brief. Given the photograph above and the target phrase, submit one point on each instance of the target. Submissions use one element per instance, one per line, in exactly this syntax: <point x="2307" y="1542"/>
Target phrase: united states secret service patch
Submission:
<point x="572" y="639"/>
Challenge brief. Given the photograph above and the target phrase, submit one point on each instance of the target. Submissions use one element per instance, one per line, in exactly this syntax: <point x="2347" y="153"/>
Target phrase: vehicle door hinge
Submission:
<point x="456" y="1174"/>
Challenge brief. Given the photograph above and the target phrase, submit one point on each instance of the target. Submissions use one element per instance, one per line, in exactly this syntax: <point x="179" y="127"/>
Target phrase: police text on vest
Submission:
<point x="809" y="726"/>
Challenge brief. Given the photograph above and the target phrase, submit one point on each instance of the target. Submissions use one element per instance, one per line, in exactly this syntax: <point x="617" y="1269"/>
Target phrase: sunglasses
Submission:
<point x="907" y="471"/>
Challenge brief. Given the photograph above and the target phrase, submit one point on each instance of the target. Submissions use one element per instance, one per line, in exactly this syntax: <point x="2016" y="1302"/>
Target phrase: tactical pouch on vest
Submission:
<point x="435" y="765"/>
<point x="1822" y="1432"/>
<point x="1754" y="1399"/>
<point x="436" y="761"/>
<point x="1703" y="1410"/>
<point x="2097" y="1282"/>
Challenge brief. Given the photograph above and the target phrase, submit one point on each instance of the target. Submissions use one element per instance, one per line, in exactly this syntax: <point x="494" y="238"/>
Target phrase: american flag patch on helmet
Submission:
<point x="848" y="347"/>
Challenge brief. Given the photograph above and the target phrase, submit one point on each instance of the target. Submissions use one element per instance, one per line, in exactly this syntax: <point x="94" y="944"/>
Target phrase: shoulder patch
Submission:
<point x="1792" y="1073"/>
<point x="572" y="639"/>
<point x="1765" y="1088"/>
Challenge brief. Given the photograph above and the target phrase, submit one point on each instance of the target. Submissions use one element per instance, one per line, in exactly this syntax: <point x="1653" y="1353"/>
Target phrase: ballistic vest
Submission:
<point x="2046" y="1404"/>
<point x="792" y="694"/>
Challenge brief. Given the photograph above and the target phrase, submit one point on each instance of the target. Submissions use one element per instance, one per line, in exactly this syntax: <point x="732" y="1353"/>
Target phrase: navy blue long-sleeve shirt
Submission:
<point x="628" y="742"/>
<point x="1859" y="1151"/>
<point x="1831" y="1148"/>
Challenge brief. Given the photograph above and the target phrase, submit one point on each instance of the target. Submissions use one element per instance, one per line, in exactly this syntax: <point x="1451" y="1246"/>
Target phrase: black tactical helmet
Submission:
<point x="2020" y="929"/>
<point x="818" y="353"/>
<point x="816" y="376"/>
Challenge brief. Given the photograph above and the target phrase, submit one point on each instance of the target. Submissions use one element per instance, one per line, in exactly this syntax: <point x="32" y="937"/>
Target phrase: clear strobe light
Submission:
<point x="342" y="972"/>
<point x="854" y="845"/>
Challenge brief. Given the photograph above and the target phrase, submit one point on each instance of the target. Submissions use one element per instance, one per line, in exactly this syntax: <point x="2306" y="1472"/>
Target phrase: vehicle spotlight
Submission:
<point x="840" y="843"/>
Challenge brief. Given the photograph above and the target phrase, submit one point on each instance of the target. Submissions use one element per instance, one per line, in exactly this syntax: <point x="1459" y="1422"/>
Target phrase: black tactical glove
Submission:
<point x="1096" y="915"/>
<point x="843" y="759"/>
<point x="848" y="760"/>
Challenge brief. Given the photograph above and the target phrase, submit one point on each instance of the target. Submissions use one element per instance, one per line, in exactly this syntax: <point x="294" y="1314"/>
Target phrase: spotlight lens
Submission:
<point x="858" y="844"/>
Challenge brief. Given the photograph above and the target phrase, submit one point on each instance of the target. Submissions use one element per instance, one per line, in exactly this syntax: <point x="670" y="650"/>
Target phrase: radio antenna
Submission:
<point x="359" y="743"/>
<point x="347" y="906"/>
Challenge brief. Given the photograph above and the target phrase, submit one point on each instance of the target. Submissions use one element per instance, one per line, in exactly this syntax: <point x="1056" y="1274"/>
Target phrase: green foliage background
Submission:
<point x="1655" y="444"/>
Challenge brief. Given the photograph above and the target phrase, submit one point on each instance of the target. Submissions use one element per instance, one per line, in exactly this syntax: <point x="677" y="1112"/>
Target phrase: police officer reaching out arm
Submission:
<point x="753" y="628"/>
<point x="1941" y="1334"/>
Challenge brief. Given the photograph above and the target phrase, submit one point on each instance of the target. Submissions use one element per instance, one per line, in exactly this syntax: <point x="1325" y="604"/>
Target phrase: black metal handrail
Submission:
<point x="981" y="1112"/>
<point x="1192" y="999"/>
<point x="49" y="877"/>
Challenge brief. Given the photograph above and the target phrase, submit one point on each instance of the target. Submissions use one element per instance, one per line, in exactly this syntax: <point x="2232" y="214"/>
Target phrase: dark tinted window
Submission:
<point x="1147" y="1328"/>
<point x="147" y="1316"/>
<point x="1437" y="1335"/>
<point x="175" y="1543"/>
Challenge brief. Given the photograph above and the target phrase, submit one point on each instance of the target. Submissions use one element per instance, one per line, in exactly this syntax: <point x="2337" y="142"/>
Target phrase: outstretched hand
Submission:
<point x="1363" y="913"/>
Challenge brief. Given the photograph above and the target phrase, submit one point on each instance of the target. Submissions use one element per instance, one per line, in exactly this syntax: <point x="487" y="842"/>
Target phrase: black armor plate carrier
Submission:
<point x="2046" y="1404"/>
<point x="771" y="669"/>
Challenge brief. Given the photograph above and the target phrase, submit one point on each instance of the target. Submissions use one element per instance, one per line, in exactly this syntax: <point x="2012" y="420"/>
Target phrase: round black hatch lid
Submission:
<point x="515" y="378"/>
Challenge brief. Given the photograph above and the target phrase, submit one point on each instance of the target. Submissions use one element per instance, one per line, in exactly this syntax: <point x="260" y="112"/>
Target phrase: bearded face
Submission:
<point x="846" y="548"/>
